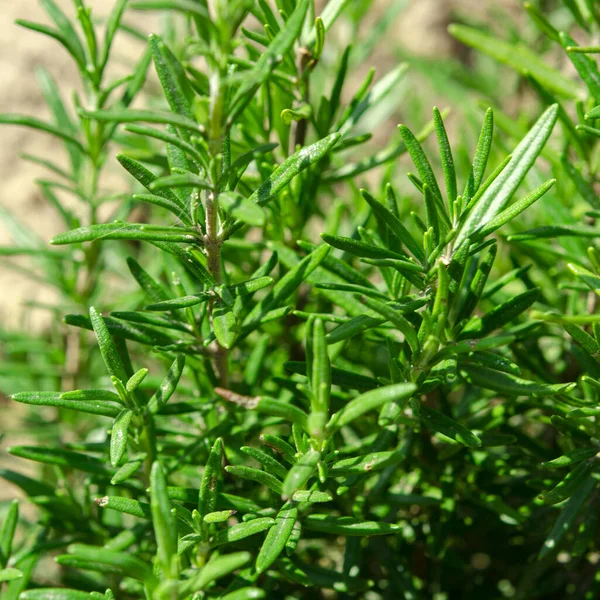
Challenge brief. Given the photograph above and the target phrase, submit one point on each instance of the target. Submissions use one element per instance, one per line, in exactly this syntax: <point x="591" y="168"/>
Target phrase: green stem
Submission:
<point x="212" y="244"/>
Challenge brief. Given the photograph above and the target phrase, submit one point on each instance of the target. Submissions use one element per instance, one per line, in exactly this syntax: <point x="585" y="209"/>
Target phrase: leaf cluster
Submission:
<point x="283" y="369"/>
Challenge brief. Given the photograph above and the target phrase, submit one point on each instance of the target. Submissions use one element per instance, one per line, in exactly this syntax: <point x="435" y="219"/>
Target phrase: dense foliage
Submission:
<point x="295" y="386"/>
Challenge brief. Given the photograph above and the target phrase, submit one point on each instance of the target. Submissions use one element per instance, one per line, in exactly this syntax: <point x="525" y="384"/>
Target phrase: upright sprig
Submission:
<point x="565" y="240"/>
<point x="86" y="142"/>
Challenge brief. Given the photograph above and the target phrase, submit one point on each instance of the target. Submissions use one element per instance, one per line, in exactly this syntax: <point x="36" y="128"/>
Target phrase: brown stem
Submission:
<point x="303" y="57"/>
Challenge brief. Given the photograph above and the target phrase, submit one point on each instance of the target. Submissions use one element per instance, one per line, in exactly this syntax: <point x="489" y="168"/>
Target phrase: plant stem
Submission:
<point x="301" y="127"/>
<point x="212" y="240"/>
<point x="212" y="244"/>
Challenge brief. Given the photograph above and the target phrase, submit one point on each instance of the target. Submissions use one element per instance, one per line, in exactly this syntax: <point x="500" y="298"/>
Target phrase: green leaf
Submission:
<point x="162" y="520"/>
<point x="374" y="461"/>
<point x="376" y="95"/>
<point x="110" y="354"/>
<point x="302" y="113"/>
<point x="61" y="458"/>
<point x="500" y="315"/>
<point x="311" y="496"/>
<point x="33" y="123"/>
<point x="242" y="208"/>
<point x="285" y="410"/>
<point x="118" y="437"/>
<point x="172" y="78"/>
<point x="519" y="57"/>
<point x="219" y="516"/>
<point x="241" y="531"/>
<point x="136" y="379"/>
<point x="499" y="193"/>
<point x="513" y="210"/>
<point x="448" y="427"/>
<point x="424" y="169"/>
<point x="224" y="324"/>
<point x="279" y="446"/>
<point x="207" y="497"/>
<point x="54" y="594"/>
<point x="300" y="473"/>
<point x="278" y="48"/>
<point x="122" y="562"/>
<point x="256" y="475"/>
<point x="583" y="339"/>
<point x="29" y="486"/>
<point x="286" y="286"/>
<point x="292" y="166"/>
<point x="144" y="116"/>
<point x="332" y="10"/>
<point x="112" y="26"/>
<point x="182" y="302"/>
<point x="126" y="231"/>
<point x="446" y="156"/>
<point x="87" y="405"/>
<point x="271" y="464"/>
<point x="541" y="21"/>
<point x="586" y="67"/>
<point x="216" y="568"/>
<point x="590" y="279"/>
<point x="245" y="593"/>
<point x="189" y="7"/>
<point x="433" y="221"/>
<point x="341" y="377"/>
<point x="570" y="458"/>
<point x="53" y="98"/>
<point x="169" y="138"/>
<point x="181" y="180"/>
<point x="248" y="287"/>
<point x="59" y="36"/>
<point x="138" y="333"/>
<point x="394" y="316"/>
<point x="153" y="289"/>
<point x="359" y="324"/>
<point x="359" y="248"/>
<point x="10" y="574"/>
<point x="482" y="154"/>
<point x="397" y="392"/>
<point x="582" y="184"/>
<point x="348" y="526"/>
<point x="395" y="226"/>
<point x="168" y="385"/>
<point x="147" y="178"/>
<point x="477" y="285"/>
<point x="594" y="113"/>
<point x="567" y="516"/>
<point x="554" y="231"/>
<point x="512" y="385"/>
<point x="569" y="485"/>
<point x="7" y="533"/>
<point x="126" y="506"/>
<point x="493" y="361"/>
<point x="67" y="29"/>
<point x="276" y="537"/>
<point x="126" y="471"/>
<point x="268" y="406"/>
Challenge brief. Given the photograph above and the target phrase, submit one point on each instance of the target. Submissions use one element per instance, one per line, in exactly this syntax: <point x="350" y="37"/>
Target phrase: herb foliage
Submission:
<point x="297" y="385"/>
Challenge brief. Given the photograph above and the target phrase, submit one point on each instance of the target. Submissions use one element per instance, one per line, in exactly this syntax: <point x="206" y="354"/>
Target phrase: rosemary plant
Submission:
<point x="300" y="386"/>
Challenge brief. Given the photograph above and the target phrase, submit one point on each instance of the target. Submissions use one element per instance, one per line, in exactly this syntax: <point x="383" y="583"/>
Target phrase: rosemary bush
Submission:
<point x="295" y="386"/>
